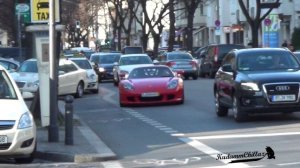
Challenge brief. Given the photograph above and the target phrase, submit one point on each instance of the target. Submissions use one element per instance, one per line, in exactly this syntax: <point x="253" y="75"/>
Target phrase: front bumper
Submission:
<point x="166" y="97"/>
<point x="21" y="142"/>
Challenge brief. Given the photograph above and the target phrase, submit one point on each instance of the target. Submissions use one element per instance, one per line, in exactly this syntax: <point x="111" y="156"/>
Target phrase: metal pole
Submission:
<point x="19" y="36"/>
<point x="53" y="127"/>
<point x="69" y="120"/>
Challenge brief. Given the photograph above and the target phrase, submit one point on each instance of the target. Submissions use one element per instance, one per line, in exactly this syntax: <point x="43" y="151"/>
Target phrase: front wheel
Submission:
<point x="220" y="110"/>
<point x="79" y="90"/>
<point x="238" y="114"/>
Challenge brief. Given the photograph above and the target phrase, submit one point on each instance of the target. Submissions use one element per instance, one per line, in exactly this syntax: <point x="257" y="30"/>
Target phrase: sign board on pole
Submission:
<point x="24" y="10"/>
<point x="40" y="11"/>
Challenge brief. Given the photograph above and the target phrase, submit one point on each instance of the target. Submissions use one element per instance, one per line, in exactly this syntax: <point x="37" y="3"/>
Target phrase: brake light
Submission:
<point x="216" y="53"/>
<point x="170" y="64"/>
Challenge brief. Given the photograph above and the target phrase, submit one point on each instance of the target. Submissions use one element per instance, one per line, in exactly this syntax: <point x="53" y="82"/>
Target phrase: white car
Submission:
<point x="85" y="64"/>
<point x="128" y="62"/>
<point x="72" y="79"/>
<point x="18" y="129"/>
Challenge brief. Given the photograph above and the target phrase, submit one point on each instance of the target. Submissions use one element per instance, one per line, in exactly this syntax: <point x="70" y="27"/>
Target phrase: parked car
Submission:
<point x="259" y="80"/>
<point x="72" y="79"/>
<point x="181" y="61"/>
<point x="87" y="52"/>
<point x="212" y="57"/>
<point x="104" y="64"/>
<point x="85" y="64"/>
<point x="126" y="63"/>
<point x="132" y="50"/>
<point x="147" y="85"/>
<point x="10" y="65"/>
<point x="18" y="129"/>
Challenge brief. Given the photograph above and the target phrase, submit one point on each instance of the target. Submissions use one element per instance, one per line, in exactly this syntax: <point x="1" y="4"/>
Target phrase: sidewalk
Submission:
<point x="87" y="146"/>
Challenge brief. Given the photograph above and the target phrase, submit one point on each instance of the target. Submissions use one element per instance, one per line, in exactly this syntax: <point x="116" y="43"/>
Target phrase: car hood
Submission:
<point x="150" y="84"/>
<point x="9" y="113"/>
<point x="269" y="77"/>
<point x="128" y="68"/>
<point x="25" y="76"/>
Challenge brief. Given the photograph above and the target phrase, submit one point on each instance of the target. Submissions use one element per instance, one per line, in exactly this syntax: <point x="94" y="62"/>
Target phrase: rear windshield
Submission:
<point x="135" y="60"/>
<point x="179" y="56"/>
<point x="29" y="66"/>
<point x="133" y="50"/>
<point x="83" y="64"/>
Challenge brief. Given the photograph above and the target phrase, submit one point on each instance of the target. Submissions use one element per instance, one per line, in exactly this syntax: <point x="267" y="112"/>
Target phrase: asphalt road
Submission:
<point x="188" y="135"/>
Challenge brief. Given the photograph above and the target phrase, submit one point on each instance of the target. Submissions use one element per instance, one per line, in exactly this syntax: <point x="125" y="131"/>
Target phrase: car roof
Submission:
<point x="106" y="53"/>
<point x="133" y="55"/>
<point x="260" y="49"/>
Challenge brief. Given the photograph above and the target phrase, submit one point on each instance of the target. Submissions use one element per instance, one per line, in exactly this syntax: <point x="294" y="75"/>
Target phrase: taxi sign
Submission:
<point x="40" y="11"/>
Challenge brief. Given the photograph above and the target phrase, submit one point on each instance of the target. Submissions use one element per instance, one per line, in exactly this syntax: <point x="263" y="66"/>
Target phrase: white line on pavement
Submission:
<point x="288" y="164"/>
<point x="112" y="164"/>
<point x="244" y="135"/>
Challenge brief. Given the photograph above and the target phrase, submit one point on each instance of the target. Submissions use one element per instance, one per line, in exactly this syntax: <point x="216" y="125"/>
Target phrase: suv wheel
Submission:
<point x="238" y="114"/>
<point x="220" y="110"/>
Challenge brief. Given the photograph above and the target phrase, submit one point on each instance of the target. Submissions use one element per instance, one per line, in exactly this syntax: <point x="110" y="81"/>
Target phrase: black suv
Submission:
<point x="260" y="80"/>
<point x="212" y="57"/>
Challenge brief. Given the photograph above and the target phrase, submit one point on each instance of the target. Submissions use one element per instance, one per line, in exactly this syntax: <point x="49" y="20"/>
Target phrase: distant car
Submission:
<point x="18" y="129"/>
<point x="9" y="64"/>
<point x="258" y="80"/>
<point x="85" y="64"/>
<point x="72" y="79"/>
<point x="87" y="52"/>
<point x="181" y="61"/>
<point x="133" y="50"/>
<point x="126" y="63"/>
<point x="212" y="58"/>
<point x="104" y="64"/>
<point x="147" y="85"/>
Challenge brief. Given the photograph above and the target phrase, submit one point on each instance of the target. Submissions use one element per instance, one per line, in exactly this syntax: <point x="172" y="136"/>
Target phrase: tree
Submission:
<point x="8" y="19"/>
<point x="190" y="7"/>
<point x="256" y="21"/>
<point x="172" y="26"/>
<point x="155" y="23"/>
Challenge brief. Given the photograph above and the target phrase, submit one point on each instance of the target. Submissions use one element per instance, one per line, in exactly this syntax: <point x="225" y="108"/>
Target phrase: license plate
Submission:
<point x="150" y="94"/>
<point x="3" y="139"/>
<point x="278" y="98"/>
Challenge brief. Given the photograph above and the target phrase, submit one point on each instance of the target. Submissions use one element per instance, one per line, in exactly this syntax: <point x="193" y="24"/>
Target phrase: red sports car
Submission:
<point x="155" y="84"/>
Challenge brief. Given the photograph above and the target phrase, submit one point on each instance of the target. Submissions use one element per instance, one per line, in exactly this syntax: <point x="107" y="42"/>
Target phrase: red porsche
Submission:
<point x="156" y="84"/>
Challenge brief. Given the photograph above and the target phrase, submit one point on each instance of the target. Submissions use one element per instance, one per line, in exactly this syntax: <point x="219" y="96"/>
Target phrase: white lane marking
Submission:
<point x="244" y="135"/>
<point x="112" y="164"/>
<point x="288" y="164"/>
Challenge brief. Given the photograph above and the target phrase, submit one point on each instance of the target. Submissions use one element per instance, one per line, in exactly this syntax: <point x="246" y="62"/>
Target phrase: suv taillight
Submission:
<point x="170" y="64"/>
<point x="216" y="53"/>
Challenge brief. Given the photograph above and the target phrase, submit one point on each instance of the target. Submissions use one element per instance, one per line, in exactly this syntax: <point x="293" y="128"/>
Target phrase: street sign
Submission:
<point x="40" y="11"/>
<point x="217" y="23"/>
<point x="23" y="10"/>
<point x="268" y="22"/>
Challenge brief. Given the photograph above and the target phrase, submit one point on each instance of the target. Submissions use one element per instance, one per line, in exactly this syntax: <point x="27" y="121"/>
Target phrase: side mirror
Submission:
<point x="227" y="68"/>
<point x="116" y="64"/>
<point x="155" y="62"/>
<point x="27" y="95"/>
<point x="61" y="72"/>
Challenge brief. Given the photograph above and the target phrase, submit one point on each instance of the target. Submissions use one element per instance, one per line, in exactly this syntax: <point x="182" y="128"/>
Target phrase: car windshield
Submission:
<point x="150" y="72"/>
<point x="29" y="66"/>
<point x="7" y="90"/>
<point x="84" y="64"/>
<point x="266" y="60"/>
<point x="135" y="60"/>
<point x="180" y="56"/>
<point x="109" y="59"/>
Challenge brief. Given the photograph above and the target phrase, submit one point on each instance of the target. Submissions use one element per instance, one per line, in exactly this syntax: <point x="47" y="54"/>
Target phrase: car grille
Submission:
<point x="5" y="125"/>
<point x="149" y="99"/>
<point x="275" y="89"/>
<point x="20" y="84"/>
<point x="4" y="146"/>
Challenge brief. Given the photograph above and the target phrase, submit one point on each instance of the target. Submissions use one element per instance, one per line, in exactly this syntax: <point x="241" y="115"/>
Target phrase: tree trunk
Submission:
<point x="172" y="27"/>
<point x="255" y="33"/>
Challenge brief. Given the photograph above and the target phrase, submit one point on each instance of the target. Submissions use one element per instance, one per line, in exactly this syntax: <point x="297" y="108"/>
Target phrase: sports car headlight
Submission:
<point x="250" y="86"/>
<point x="101" y="69"/>
<point x="25" y="121"/>
<point x="33" y="84"/>
<point x="173" y="84"/>
<point x="128" y="86"/>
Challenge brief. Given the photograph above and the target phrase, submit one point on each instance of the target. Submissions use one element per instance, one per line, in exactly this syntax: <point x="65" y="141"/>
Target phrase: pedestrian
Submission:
<point x="284" y="44"/>
<point x="291" y="48"/>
